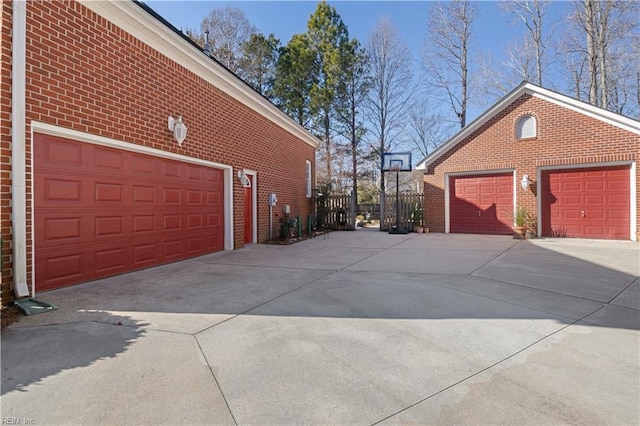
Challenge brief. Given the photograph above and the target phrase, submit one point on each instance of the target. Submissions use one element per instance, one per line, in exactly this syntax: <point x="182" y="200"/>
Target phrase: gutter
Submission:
<point x="18" y="148"/>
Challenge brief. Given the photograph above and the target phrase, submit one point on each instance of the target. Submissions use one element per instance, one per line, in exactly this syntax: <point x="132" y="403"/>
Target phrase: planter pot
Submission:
<point x="529" y="235"/>
<point x="418" y="229"/>
<point x="519" y="232"/>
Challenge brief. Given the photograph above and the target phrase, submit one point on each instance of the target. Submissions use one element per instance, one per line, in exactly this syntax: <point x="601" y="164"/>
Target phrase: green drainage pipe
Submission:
<point x="299" y="225"/>
<point x="310" y="224"/>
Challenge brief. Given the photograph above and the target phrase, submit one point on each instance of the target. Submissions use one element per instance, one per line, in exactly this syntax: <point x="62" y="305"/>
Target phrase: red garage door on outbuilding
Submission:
<point x="101" y="211"/>
<point x="481" y="204"/>
<point x="586" y="202"/>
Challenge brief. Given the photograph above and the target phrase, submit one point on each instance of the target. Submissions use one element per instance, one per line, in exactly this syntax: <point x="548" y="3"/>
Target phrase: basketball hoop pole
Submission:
<point x="397" y="198"/>
<point x="394" y="162"/>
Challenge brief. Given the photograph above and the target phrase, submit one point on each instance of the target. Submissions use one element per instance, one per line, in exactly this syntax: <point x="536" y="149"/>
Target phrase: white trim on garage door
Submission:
<point x="632" y="185"/>
<point x="48" y="129"/>
<point x="447" y="207"/>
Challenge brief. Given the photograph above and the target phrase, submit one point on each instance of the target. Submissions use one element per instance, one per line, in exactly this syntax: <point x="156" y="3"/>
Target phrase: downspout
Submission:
<point x="18" y="148"/>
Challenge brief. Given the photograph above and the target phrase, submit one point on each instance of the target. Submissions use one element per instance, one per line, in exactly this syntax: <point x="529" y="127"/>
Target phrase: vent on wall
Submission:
<point x="526" y="127"/>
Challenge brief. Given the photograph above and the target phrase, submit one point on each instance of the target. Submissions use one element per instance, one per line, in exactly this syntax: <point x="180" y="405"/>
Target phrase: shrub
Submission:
<point x="521" y="216"/>
<point x="286" y="226"/>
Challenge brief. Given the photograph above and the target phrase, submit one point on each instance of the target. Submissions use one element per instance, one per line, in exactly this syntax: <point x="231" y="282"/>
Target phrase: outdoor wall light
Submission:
<point x="178" y="128"/>
<point x="244" y="179"/>
<point x="525" y="182"/>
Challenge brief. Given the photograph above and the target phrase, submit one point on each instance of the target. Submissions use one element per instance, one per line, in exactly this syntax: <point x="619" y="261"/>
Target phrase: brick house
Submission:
<point x="94" y="183"/>
<point x="572" y="165"/>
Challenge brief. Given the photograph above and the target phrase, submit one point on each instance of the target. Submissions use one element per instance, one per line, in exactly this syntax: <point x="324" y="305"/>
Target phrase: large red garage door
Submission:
<point x="481" y="204"/>
<point x="586" y="203"/>
<point x="100" y="211"/>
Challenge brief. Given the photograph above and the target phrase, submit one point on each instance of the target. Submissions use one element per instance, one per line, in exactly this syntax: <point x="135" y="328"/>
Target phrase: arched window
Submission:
<point x="526" y="127"/>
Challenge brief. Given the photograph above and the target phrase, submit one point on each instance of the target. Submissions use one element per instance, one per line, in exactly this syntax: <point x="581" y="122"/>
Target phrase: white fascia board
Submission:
<point x="603" y="115"/>
<point x="471" y="127"/>
<point x="584" y="108"/>
<point x="138" y="22"/>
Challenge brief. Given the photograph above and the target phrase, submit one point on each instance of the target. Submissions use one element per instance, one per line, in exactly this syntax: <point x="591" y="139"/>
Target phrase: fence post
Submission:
<point x="383" y="218"/>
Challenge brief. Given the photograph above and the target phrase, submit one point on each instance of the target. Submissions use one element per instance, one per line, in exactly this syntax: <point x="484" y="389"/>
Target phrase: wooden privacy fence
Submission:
<point x="410" y="211"/>
<point x="336" y="211"/>
<point x="373" y="210"/>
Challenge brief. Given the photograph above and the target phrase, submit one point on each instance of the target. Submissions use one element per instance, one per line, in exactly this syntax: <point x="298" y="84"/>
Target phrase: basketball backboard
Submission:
<point x="396" y="161"/>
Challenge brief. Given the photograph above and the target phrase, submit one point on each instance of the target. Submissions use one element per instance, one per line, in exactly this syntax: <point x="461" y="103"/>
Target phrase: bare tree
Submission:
<point x="531" y="13"/>
<point x="426" y="128"/>
<point x="391" y="87"/>
<point x="259" y="61"/>
<point x="497" y="79"/>
<point x="352" y="95"/>
<point x="602" y="42"/>
<point x="446" y="53"/>
<point x="229" y="30"/>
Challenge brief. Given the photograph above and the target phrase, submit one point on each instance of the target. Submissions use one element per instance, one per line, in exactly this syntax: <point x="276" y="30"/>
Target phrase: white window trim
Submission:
<point x="309" y="178"/>
<point x="520" y="127"/>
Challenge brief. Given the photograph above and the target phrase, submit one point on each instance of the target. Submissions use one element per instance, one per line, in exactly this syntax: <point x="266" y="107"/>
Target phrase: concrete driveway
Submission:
<point x="356" y="328"/>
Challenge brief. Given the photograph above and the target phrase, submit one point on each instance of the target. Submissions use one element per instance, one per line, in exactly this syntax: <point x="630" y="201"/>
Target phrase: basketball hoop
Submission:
<point x="397" y="162"/>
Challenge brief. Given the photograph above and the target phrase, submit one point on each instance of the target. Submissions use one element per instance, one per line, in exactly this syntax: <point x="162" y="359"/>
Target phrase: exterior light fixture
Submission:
<point x="525" y="182"/>
<point x="244" y="179"/>
<point x="178" y="128"/>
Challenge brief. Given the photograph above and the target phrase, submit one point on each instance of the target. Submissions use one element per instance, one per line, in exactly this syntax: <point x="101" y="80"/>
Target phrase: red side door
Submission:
<point x="248" y="212"/>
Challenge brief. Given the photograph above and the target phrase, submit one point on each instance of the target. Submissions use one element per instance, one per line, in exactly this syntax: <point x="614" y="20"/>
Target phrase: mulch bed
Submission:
<point x="296" y="240"/>
<point x="9" y="315"/>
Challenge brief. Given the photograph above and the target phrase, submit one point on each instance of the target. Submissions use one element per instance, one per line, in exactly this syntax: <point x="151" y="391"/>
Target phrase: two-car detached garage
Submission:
<point x="571" y="166"/>
<point x="101" y="211"/>
<point x="592" y="202"/>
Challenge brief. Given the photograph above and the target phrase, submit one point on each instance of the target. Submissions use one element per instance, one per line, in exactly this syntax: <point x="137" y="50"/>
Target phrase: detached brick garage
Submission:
<point x="93" y="181"/>
<point x="579" y="162"/>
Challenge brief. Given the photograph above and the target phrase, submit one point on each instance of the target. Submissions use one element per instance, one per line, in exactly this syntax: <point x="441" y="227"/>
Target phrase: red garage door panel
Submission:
<point x="101" y="211"/>
<point x="481" y="204"/>
<point x="587" y="203"/>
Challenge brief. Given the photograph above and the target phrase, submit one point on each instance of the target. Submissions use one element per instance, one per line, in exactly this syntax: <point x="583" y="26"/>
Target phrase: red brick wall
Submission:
<point x="86" y="74"/>
<point x="564" y="137"/>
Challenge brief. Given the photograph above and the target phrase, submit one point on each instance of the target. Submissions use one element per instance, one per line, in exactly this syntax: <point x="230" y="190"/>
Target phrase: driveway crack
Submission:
<point x="487" y="368"/>
<point x="494" y="258"/>
<point x="623" y="290"/>
<point x="216" y="380"/>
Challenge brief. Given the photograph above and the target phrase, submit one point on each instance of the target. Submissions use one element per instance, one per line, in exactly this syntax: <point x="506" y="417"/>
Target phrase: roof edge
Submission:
<point x="139" y="20"/>
<point x="581" y="107"/>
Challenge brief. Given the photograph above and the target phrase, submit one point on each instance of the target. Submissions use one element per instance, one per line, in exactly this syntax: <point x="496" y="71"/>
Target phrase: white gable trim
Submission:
<point x="136" y="21"/>
<point x="609" y="117"/>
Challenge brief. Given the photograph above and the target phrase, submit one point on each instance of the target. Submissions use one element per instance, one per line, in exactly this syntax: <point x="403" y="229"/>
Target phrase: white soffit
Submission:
<point x="136" y="21"/>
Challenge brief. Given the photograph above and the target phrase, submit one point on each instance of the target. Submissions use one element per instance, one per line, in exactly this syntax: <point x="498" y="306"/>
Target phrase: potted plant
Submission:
<point x="417" y="217"/>
<point x="521" y="218"/>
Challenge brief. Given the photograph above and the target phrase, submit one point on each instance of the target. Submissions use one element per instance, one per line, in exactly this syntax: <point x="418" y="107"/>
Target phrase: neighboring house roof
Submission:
<point x="538" y="92"/>
<point x="139" y="20"/>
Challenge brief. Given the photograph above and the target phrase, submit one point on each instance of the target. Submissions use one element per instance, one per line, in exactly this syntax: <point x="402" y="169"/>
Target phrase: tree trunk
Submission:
<point x="602" y="42"/>
<point x="354" y="154"/>
<point x="327" y="136"/>
<point x="590" y="27"/>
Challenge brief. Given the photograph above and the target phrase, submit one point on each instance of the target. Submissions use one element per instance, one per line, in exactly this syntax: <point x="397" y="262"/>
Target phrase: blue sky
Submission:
<point x="285" y="18"/>
<point x="492" y="28"/>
